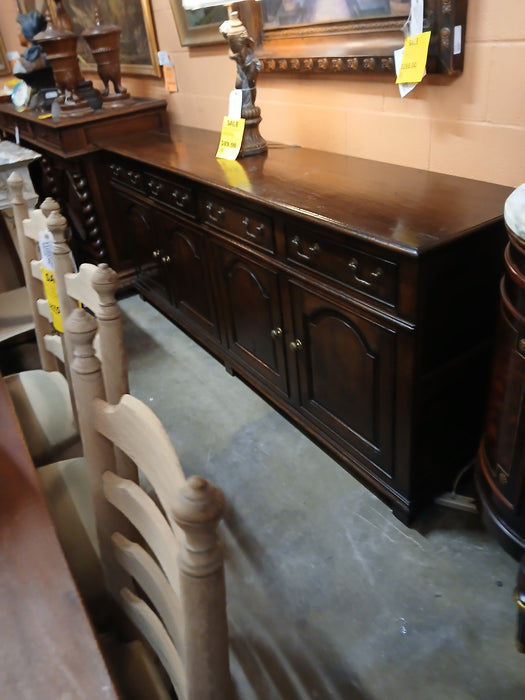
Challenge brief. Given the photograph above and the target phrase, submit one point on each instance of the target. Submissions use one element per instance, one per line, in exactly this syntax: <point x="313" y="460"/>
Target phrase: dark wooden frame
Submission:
<point x="357" y="46"/>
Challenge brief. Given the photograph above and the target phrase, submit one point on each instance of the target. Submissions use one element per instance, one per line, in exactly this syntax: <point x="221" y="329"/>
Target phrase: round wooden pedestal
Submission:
<point x="500" y="472"/>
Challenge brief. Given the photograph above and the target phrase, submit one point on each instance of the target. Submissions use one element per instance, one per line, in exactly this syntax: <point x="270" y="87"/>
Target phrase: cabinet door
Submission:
<point x="253" y="317"/>
<point x="145" y="248"/>
<point x="188" y="275"/>
<point x="345" y="365"/>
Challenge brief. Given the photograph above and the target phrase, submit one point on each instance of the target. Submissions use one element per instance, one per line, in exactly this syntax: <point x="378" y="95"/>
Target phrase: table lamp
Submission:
<point x="241" y="51"/>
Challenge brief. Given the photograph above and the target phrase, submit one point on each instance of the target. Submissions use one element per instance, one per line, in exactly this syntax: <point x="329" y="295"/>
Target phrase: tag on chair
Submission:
<point x="45" y="242"/>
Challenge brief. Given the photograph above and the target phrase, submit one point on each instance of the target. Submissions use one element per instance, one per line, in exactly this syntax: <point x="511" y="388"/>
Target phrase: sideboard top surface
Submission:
<point x="132" y="106"/>
<point x="406" y="209"/>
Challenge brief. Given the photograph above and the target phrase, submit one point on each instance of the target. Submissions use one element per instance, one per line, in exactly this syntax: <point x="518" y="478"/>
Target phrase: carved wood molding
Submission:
<point x="328" y="64"/>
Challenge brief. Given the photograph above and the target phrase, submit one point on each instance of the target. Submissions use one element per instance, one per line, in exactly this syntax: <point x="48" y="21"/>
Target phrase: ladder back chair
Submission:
<point x="161" y="556"/>
<point x="66" y="482"/>
<point x="50" y="435"/>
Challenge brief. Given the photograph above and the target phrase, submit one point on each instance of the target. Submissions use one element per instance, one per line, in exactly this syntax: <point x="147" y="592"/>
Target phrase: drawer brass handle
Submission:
<point x="180" y="199"/>
<point x="259" y="229"/>
<point x="134" y="177"/>
<point x="296" y="345"/>
<point x="376" y="274"/>
<point x="155" y="187"/>
<point x="312" y="250"/>
<point x="276" y="332"/>
<point x="218" y="215"/>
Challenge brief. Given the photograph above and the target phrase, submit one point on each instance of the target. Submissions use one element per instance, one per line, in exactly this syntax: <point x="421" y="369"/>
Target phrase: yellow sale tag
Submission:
<point x="50" y="289"/>
<point x="231" y="138"/>
<point x="414" y="59"/>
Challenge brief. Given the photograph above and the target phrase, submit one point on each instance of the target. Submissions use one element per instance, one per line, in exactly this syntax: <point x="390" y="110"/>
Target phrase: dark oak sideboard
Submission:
<point x="360" y="298"/>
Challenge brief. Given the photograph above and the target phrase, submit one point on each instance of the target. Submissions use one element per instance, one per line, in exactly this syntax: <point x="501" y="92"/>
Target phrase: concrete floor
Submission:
<point x="329" y="595"/>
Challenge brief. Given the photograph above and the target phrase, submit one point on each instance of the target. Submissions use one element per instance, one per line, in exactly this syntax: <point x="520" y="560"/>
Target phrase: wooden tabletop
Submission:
<point x="47" y="646"/>
<point x="402" y="208"/>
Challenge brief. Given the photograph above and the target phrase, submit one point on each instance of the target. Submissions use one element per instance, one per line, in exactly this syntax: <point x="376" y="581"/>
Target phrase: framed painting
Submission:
<point x="351" y="36"/>
<point x="5" y="67"/>
<point x="138" y="44"/>
<point x="198" y="27"/>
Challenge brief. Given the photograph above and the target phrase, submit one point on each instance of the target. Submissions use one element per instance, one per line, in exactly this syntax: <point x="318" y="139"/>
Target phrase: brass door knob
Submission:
<point x="276" y="332"/>
<point x="156" y="253"/>
<point x="296" y="345"/>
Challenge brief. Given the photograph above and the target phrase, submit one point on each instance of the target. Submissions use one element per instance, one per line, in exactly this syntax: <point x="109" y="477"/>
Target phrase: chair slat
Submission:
<point x="54" y="344"/>
<point x="79" y="286"/>
<point x="137" y="431"/>
<point x="43" y="309"/>
<point x="152" y="580"/>
<point x="141" y="511"/>
<point x="36" y="269"/>
<point x="155" y="633"/>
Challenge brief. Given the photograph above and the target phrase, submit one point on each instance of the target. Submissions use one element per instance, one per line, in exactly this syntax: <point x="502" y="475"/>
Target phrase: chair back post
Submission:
<point x="86" y="376"/>
<point x="113" y="354"/>
<point x="15" y="184"/>
<point x="112" y="351"/>
<point x="63" y="260"/>
<point x="28" y="249"/>
<point x="197" y="511"/>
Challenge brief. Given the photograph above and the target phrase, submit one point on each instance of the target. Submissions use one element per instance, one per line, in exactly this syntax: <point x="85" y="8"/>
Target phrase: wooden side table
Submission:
<point x="70" y="171"/>
<point x="500" y="473"/>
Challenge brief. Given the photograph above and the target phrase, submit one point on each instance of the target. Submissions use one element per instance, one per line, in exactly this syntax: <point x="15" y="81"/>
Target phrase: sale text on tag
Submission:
<point x="45" y="242"/>
<point x="414" y="60"/>
<point x="231" y="138"/>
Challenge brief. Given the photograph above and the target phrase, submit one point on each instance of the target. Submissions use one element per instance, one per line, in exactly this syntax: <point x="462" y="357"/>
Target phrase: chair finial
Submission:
<point x="15" y="183"/>
<point x="57" y="224"/>
<point x="48" y="206"/>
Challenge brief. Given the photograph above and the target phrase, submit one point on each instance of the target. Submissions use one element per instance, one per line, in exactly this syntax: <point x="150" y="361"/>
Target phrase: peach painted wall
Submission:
<point x="473" y="125"/>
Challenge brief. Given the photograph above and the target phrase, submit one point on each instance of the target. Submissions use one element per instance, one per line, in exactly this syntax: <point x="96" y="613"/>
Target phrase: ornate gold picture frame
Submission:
<point x="138" y="43"/>
<point x="364" y="44"/>
<point x="5" y="68"/>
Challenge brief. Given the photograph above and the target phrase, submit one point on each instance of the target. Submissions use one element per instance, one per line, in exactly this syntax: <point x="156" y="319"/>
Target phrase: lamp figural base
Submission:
<point x="248" y="66"/>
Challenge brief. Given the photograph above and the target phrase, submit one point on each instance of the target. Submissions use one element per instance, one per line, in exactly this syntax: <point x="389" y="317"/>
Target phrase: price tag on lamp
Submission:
<point x="231" y="138"/>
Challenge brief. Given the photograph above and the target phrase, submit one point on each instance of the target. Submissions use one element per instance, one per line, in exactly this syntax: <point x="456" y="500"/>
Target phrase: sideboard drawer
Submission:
<point x="251" y="226"/>
<point x="171" y="193"/>
<point x="368" y="274"/>
<point x="128" y="174"/>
